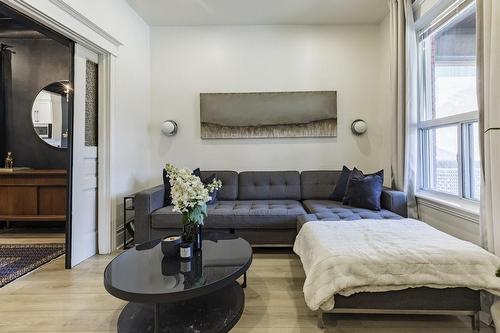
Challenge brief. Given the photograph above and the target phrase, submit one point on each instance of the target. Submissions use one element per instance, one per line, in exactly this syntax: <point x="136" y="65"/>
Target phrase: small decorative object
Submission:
<point x="9" y="161"/>
<point x="186" y="250"/>
<point x="190" y="197"/>
<point x="170" y="246"/>
<point x="359" y="127"/>
<point x="169" y="127"/>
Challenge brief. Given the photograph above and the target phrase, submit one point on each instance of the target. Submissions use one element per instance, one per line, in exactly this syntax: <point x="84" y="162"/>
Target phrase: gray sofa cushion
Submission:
<point x="229" y="179"/>
<point x="264" y="214"/>
<point x="329" y="210"/>
<point x="269" y="185"/>
<point x="318" y="184"/>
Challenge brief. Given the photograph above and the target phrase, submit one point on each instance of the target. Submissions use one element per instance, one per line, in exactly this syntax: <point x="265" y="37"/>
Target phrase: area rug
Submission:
<point x="19" y="259"/>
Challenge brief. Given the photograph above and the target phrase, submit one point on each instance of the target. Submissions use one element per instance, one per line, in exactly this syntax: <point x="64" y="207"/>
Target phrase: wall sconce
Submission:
<point x="359" y="127"/>
<point x="169" y="128"/>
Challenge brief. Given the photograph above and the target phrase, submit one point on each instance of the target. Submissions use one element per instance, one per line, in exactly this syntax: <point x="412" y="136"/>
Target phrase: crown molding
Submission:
<point x="83" y="19"/>
<point x="45" y="15"/>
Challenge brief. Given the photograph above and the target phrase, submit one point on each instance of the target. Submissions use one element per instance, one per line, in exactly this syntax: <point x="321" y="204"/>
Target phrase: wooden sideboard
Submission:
<point x="33" y="195"/>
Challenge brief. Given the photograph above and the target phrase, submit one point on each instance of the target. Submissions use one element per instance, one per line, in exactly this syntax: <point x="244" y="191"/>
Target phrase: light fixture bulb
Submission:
<point x="359" y="127"/>
<point x="169" y="127"/>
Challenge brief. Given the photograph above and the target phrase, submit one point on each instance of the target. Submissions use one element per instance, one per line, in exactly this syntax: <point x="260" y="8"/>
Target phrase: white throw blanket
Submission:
<point x="347" y="257"/>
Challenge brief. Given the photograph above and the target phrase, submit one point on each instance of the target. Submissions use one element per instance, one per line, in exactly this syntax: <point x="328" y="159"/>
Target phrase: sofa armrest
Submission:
<point x="395" y="201"/>
<point x="146" y="202"/>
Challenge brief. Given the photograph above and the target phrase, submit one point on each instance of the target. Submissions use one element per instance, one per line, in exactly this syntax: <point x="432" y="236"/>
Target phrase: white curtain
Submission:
<point x="488" y="61"/>
<point x="488" y="89"/>
<point x="404" y="100"/>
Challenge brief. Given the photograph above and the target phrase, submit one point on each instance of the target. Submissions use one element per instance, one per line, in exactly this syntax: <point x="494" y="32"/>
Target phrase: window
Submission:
<point x="448" y="112"/>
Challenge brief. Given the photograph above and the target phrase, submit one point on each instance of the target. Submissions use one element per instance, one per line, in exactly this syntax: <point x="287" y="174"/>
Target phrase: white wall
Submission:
<point x="187" y="61"/>
<point x="130" y="156"/>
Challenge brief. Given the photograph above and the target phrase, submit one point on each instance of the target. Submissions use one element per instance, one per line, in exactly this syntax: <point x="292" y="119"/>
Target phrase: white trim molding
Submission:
<point x="456" y="219"/>
<point x="62" y="18"/>
<point x="464" y="209"/>
<point x="81" y="18"/>
<point x="106" y="221"/>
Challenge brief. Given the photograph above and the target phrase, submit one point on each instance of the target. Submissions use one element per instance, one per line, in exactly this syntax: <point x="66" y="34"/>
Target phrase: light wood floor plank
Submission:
<point x="22" y="237"/>
<point x="53" y="299"/>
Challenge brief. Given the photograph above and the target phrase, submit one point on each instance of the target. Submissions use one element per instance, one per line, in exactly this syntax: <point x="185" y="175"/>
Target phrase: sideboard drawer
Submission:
<point x="18" y="200"/>
<point x="52" y="200"/>
<point x="33" y="195"/>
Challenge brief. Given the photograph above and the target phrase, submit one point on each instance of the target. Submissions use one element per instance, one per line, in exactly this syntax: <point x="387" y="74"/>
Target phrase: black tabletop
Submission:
<point x="142" y="274"/>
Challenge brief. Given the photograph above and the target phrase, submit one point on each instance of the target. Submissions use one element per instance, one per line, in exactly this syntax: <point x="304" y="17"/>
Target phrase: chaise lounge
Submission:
<point x="267" y="208"/>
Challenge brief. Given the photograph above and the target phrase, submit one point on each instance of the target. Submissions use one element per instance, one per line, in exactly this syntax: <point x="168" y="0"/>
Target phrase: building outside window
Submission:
<point x="448" y="110"/>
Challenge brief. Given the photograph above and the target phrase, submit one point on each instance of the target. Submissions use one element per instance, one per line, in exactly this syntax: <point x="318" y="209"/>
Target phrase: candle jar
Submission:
<point x="170" y="246"/>
<point x="186" y="250"/>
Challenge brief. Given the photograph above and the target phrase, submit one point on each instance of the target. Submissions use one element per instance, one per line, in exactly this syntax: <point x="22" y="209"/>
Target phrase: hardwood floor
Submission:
<point x="52" y="299"/>
<point x="31" y="236"/>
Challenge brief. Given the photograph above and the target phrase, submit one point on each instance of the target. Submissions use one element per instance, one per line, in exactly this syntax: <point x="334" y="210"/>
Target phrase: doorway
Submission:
<point x="36" y="105"/>
<point x="106" y="54"/>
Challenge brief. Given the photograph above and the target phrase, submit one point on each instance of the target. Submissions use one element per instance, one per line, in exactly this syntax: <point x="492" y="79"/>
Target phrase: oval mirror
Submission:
<point x="49" y="114"/>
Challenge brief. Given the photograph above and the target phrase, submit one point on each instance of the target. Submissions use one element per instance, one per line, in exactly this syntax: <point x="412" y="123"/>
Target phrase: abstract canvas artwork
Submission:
<point x="268" y="115"/>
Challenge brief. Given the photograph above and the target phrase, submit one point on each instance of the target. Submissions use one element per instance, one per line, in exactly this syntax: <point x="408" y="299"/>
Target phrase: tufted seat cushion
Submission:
<point x="273" y="214"/>
<point x="335" y="211"/>
<point x="329" y="210"/>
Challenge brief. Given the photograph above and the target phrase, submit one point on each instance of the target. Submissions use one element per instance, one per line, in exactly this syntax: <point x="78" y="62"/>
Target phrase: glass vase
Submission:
<point x="192" y="233"/>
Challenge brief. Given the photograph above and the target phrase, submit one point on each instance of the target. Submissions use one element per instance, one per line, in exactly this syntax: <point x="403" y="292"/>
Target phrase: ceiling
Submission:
<point x="259" y="12"/>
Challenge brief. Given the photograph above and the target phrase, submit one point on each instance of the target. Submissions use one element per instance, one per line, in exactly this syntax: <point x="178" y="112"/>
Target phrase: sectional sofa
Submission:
<point x="267" y="208"/>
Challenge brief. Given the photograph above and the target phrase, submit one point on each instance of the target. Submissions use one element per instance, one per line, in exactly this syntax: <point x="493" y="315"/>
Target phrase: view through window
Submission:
<point x="448" y="128"/>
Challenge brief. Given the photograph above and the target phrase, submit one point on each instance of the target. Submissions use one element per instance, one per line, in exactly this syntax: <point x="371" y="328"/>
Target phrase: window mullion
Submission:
<point x="450" y="120"/>
<point x="460" y="157"/>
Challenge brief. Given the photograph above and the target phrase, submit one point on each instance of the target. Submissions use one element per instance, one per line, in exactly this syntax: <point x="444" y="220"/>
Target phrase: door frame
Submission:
<point x="63" y="19"/>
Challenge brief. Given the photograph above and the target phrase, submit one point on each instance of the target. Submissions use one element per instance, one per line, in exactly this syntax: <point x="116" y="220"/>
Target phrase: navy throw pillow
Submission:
<point x="357" y="174"/>
<point x="197" y="172"/>
<point x="167" y="199"/>
<point x="341" y="186"/>
<point x="365" y="192"/>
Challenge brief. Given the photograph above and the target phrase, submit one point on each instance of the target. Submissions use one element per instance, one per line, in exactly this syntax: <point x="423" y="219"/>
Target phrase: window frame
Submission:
<point x="463" y="121"/>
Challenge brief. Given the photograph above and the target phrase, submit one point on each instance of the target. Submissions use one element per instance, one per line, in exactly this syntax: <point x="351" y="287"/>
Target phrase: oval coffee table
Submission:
<point x="170" y="295"/>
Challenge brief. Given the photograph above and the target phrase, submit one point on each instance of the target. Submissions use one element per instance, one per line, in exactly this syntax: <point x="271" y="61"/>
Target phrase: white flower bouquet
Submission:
<point x="189" y="194"/>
